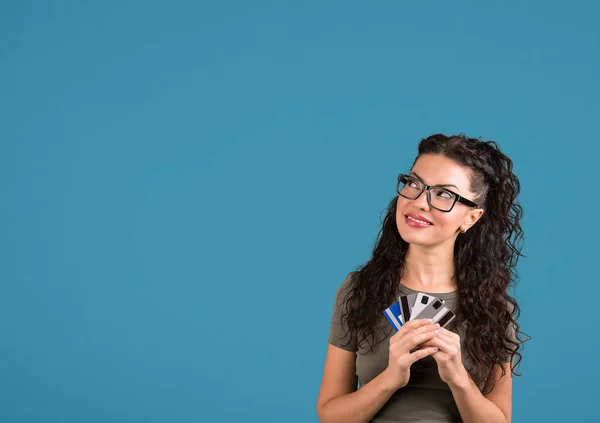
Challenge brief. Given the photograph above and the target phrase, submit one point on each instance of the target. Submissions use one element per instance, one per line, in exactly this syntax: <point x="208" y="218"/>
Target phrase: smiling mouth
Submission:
<point x="417" y="221"/>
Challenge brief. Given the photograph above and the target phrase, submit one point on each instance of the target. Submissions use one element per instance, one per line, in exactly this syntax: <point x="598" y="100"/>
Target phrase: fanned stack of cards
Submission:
<point x="418" y="306"/>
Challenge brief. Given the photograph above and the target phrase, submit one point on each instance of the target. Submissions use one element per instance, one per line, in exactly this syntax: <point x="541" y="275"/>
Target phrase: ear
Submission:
<point x="473" y="217"/>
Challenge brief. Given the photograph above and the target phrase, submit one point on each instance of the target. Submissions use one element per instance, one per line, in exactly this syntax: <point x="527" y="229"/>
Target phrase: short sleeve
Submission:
<point x="339" y="334"/>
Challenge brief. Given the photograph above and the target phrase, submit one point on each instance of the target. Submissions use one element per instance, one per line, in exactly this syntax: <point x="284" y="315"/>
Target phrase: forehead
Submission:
<point x="440" y="170"/>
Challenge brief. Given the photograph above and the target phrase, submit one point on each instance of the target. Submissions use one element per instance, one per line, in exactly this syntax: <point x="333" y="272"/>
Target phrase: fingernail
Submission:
<point x="435" y="348"/>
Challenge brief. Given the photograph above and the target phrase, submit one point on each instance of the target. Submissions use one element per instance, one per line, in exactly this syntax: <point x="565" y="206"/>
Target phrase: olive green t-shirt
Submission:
<point x="426" y="398"/>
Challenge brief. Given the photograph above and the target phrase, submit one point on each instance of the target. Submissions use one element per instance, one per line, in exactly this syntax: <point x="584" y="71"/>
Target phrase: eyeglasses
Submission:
<point x="442" y="199"/>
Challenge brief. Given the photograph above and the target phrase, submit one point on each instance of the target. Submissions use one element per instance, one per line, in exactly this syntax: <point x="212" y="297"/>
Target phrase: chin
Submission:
<point x="415" y="236"/>
<point x="411" y="237"/>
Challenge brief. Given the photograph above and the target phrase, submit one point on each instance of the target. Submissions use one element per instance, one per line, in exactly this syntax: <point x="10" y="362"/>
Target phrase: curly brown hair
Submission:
<point x="485" y="259"/>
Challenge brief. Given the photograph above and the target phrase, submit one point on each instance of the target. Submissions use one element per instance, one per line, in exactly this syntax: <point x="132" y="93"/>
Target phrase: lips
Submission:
<point x="416" y="216"/>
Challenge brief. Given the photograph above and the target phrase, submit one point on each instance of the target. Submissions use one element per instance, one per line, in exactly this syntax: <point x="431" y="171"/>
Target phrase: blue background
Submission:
<point x="184" y="186"/>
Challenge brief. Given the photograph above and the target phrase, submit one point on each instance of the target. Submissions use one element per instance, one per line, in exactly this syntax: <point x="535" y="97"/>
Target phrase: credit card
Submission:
<point x="406" y="305"/>
<point x="422" y="301"/>
<point x="418" y="306"/>
<point x="437" y="311"/>
<point x="391" y="313"/>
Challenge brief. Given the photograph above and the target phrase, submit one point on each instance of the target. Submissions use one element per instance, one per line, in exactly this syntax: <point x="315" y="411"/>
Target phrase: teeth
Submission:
<point x="418" y="221"/>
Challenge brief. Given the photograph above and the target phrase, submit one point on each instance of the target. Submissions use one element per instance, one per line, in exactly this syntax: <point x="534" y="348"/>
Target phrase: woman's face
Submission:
<point x="437" y="170"/>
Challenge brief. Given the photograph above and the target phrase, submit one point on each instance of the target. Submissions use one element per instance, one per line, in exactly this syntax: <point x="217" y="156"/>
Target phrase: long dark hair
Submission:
<point x="485" y="259"/>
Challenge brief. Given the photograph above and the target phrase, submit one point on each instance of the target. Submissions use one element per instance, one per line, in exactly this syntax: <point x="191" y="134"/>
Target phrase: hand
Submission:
<point x="448" y="358"/>
<point x="413" y="333"/>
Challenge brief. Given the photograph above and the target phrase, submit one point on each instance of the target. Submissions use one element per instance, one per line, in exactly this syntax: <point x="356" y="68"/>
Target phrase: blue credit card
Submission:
<point x="392" y="313"/>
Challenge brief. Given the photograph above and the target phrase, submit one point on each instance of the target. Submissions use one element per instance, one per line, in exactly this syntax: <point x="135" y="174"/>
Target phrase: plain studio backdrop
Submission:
<point x="185" y="184"/>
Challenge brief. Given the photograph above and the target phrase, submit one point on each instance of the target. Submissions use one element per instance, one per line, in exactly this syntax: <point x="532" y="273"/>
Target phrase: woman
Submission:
<point x="452" y="232"/>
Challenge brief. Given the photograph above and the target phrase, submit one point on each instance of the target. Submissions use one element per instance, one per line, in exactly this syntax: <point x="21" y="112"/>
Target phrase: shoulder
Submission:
<point x="345" y="287"/>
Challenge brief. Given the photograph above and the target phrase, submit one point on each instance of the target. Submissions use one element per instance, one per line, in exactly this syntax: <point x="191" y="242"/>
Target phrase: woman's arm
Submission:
<point x="494" y="407"/>
<point x="473" y="406"/>
<point x="339" y="401"/>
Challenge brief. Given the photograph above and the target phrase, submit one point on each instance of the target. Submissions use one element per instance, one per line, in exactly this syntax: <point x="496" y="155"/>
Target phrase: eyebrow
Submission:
<point x="436" y="185"/>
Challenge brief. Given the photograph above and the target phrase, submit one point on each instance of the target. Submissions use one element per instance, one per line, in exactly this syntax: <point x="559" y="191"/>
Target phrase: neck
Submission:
<point x="429" y="270"/>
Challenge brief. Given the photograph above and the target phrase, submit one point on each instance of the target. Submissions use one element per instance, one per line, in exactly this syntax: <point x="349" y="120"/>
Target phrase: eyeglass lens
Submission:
<point x="410" y="187"/>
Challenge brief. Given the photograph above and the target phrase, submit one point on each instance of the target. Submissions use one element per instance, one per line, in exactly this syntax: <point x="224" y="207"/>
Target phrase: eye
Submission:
<point x="445" y="194"/>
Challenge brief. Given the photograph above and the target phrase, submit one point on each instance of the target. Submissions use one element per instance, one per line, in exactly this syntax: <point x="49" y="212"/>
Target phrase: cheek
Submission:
<point x="447" y="221"/>
<point x="444" y="222"/>
<point x="401" y="205"/>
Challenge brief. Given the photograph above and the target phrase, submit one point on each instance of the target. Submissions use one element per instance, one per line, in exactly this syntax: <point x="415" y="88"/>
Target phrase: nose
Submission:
<point x="421" y="201"/>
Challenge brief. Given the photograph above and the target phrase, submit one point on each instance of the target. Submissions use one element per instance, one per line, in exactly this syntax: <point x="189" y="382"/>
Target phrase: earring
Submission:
<point x="462" y="230"/>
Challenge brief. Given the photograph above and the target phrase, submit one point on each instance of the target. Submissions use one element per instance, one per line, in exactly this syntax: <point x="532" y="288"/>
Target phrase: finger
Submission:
<point x="451" y="334"/>
<point x="410" y="341"/>
<point x="415" y="324"/>
<point x="444" y="335"/>
<point x="410" y="326"/>
<point x="427" y="343"/>
<point x="418" y="339"/>
<point x="442" y="345"/>
<point x="448" y="336"/>
<point x="422" y="353"/>
<point x="425" y="329"/>
<point x="439" y="357"/>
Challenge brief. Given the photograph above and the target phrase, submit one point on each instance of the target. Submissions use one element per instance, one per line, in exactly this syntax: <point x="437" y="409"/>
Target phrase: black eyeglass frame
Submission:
<point x="425" y="187"/>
